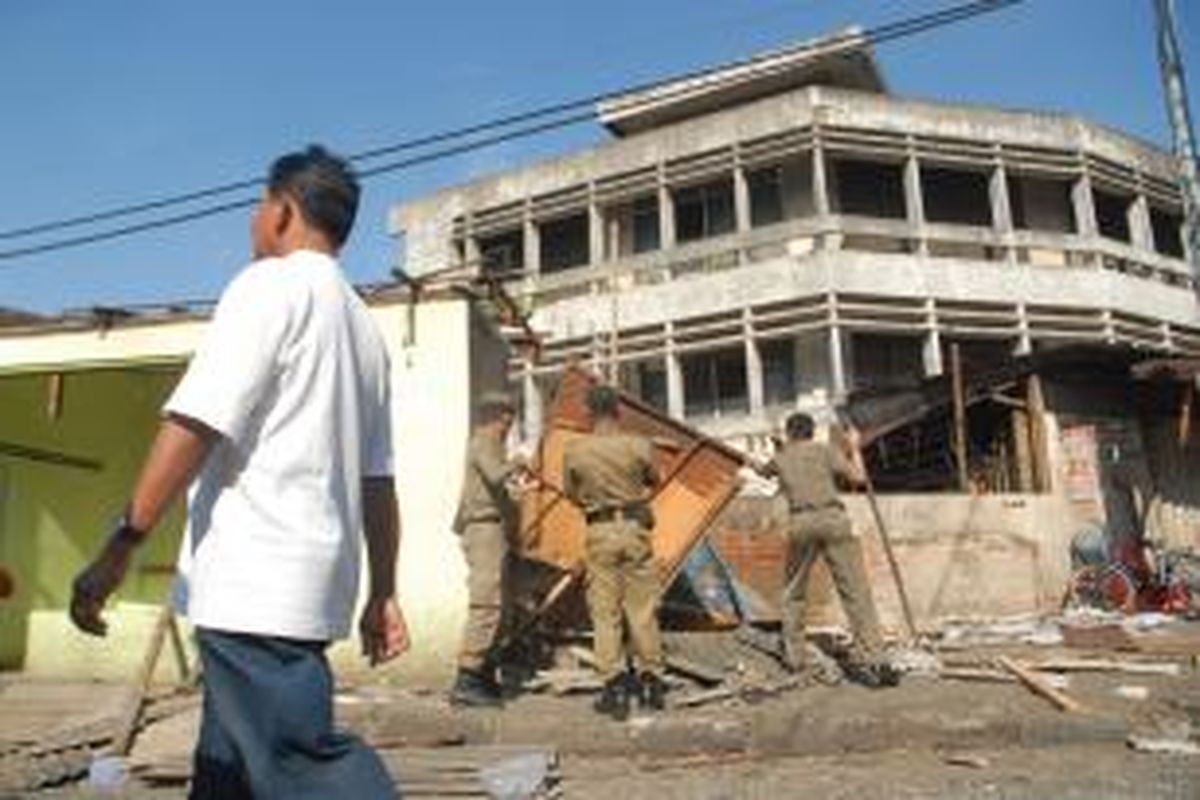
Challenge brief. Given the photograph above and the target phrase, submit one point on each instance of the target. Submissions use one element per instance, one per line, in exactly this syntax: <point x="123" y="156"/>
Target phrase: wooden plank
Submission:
<point x="959" y="417"/>
<point x="1035" y="401"/>
<point x="1106" y="665"/>
<point x="1038" y="685"/>
<point x="700" y="475"/>
<point x="123" y="739"/>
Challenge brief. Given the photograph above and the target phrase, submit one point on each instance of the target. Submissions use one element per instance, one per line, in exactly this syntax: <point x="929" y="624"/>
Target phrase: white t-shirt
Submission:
<point x="294" y="374"/>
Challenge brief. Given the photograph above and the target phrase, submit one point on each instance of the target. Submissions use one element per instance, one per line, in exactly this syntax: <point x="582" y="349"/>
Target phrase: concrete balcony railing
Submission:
<point x="831" y="233"/>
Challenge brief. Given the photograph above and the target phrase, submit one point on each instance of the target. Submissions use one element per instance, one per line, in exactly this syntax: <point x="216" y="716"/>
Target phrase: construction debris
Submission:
<point x="1039" y="685"/>
<point x="465" y="771"/>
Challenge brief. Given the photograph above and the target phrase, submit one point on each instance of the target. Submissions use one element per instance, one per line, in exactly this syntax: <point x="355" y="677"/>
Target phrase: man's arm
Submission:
<point x="493" y="468"/>
<point x="383" y="629"/>
<point x="179" y="450"/>
<point x="852" y="469"/>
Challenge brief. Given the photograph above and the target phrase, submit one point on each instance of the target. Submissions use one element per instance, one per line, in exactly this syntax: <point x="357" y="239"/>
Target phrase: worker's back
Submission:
<point x="807" y="471"/>
<point x="608" y="469"/>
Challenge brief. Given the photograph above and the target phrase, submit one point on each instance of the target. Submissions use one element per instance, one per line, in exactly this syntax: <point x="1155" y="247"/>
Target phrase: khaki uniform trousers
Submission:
<point x="623" y="584"/>
<point x="485" y="547"/>
<point x="826" y="534"/>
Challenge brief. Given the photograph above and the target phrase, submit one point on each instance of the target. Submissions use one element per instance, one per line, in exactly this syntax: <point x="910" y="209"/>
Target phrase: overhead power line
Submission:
<point x="507" y="128"/>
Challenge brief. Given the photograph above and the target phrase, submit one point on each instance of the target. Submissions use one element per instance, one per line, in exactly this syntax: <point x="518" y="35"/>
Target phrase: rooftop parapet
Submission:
<point x="843" y="59"/>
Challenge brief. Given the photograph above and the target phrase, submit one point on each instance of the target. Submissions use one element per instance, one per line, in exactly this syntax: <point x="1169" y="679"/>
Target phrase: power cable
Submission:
<point x="875" y="36"/>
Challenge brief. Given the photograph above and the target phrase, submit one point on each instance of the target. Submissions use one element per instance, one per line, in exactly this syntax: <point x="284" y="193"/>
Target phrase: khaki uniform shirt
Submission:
<point x="806" y="474"/>
<point x="485" y="495"/>
<point x="608" y="470"/>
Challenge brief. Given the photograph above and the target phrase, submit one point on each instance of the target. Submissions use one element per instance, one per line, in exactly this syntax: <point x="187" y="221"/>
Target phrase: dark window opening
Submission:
<point x="920" y="457"/>
<point x="704" y="211"/>
<point x="887" y="362"/>
<point x="778" y="357"/>
<point x="564" y="243"/>
<point x="646" y="380"/>
<point x="1112" y="215"/>
<point x="714" y="383"/>
<point x="1041" y="204"/>
<point x="870" y="189"/>
<point x="766" y="196"/>
<point x="1167" y="229"/>
<point x="956" y="196"/>
<point x="503" y="252"/>
<point x="646" y="236"/>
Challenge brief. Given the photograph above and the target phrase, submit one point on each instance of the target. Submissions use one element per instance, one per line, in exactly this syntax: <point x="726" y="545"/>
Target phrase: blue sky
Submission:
<point x="127" y="100"/>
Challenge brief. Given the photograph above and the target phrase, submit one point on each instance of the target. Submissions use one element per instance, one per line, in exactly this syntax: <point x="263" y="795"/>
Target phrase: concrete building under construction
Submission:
<point x="785" y="233"/>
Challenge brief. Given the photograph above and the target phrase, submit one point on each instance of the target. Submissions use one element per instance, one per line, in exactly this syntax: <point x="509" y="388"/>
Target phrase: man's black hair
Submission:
<point x="800" y="426"/>
<point x="603" y="401"/>
<point x="324" y="187"/>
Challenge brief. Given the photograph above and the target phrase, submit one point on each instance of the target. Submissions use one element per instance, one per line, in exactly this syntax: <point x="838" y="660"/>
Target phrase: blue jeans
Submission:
<point x="267" y="726"/>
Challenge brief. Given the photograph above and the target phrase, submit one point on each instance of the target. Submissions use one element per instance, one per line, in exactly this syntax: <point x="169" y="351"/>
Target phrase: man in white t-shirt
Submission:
<point x="281" y="425"/>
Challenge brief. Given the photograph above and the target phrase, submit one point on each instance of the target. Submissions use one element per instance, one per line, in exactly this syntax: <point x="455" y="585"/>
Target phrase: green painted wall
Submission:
<point x="53" y="518"/>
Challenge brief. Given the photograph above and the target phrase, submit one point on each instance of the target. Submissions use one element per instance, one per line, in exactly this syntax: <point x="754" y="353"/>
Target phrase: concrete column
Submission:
<point x="1085" y="206"/>
<point x="666" y="212"/>
<point x="675" y="399"/>
<point x="595" y="232"/>
<point x="471" y="256"/>
<point x="1024" y="342"/>
<point x="1085" y="212"/>
<point x="612" y="233"/>
<point x="532" y="245"/>
<point x="931" y="348"/>
<point x="741" y="199"/>
<point x="1002" y="221"/>
<point x="914" y="202"/>
<point x="820" y="180"/>
<point x="1141" y="232"/>
<point x="755" y="385"/>
<point x="837" y="360"/>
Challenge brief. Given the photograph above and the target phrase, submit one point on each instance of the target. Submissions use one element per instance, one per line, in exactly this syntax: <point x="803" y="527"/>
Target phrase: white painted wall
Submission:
<point x="431" y="381"/>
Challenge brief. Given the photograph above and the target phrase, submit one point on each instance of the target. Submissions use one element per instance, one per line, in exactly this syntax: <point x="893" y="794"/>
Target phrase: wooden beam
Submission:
<point x="960" y="417"/>
<point x="1038" y="685"/>
<point x="1038" y="442"/>
<point x="1185" y="413"/>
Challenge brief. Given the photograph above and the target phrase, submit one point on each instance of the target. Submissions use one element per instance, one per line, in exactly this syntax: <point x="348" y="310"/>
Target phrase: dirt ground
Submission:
<point x="929" y="738"/>
<point x="1096" y="772"/>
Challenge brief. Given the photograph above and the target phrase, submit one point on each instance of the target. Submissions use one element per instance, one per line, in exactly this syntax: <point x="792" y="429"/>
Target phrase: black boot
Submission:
<point x="878" y="675"/>
<point x="652" y="692"/>
<point x="472" y="688"/>
<point x="614" y="698"/>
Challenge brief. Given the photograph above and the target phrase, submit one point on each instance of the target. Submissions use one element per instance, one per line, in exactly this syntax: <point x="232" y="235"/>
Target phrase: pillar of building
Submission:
<point x="839" y="385"/>
<point x="755" y="380"/>
<point x="1084" y="205"/>
<point x="820" y="180"/>
<point x="675" y="398"/>
<point x="595" y="231"/>
<point x="741" y="198"/>
<point x="1002" y="220"/>
<point x="470" y="254"/>
<point x="1024" y="342"/>
<point x="931" y="347"/>
<point x="532" y="244"/>
<point x="1141" y="232"/>
<point x="666" y="211"/>
<point x="914" y="202"/>
<point x="820" y="191"/>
